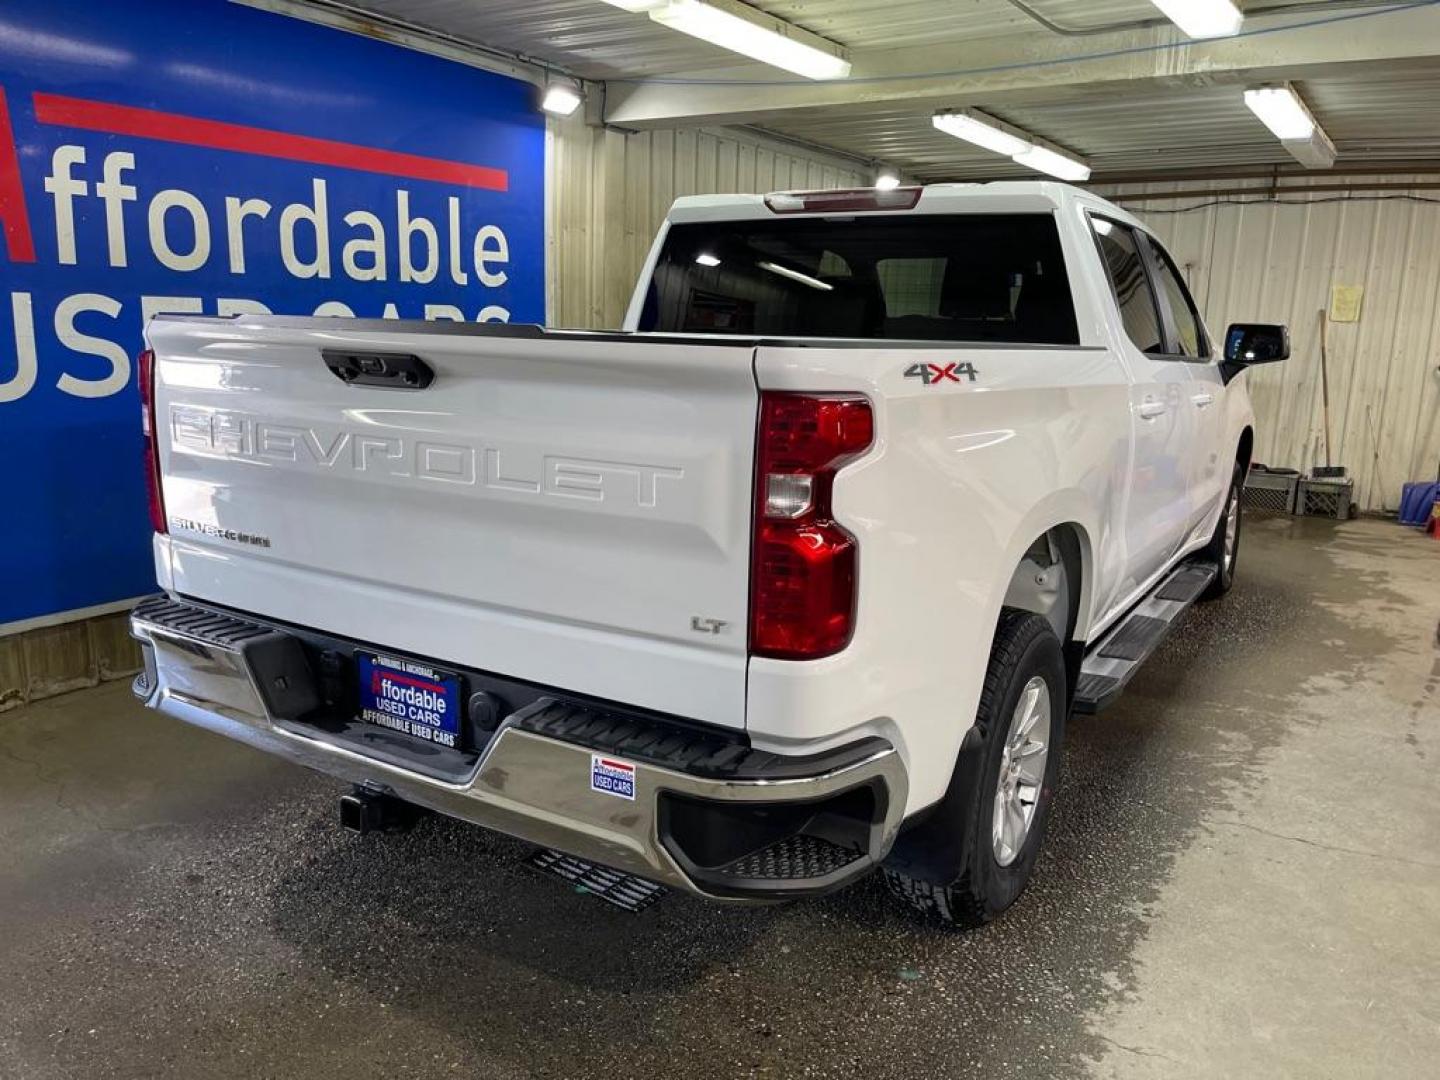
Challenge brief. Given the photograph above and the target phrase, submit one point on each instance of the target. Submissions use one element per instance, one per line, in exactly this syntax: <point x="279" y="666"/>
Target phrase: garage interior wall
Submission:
<point x="1261" y="258"/>
<point x="610" y="189"/>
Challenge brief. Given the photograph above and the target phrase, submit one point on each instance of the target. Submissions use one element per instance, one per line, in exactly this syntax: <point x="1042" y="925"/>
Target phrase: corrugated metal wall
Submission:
<point x="1268" y="261"/>
<point x="610" y="190"/>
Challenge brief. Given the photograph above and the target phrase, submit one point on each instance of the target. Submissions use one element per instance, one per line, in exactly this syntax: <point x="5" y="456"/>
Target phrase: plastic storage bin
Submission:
<point x="1270" y="491"/>
<point x="1325" y="498"/>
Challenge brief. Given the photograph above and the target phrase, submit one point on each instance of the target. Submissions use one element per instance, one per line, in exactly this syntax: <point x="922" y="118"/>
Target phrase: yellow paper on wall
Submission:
<point x="1345" y="302"/>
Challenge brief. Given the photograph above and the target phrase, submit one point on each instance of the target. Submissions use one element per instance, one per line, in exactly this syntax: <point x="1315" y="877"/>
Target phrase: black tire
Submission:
<point x="1025" y="647"/>
<point x="1214" y="551"/>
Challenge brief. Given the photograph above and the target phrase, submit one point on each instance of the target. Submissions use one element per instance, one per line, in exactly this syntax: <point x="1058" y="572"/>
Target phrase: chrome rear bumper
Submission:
<point x="530" y="784"/>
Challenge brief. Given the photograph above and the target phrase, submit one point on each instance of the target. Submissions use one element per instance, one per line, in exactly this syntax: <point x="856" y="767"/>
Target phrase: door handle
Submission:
<point x="395" y="371"/>
<point x="1150" y="408"/>
<point x="1202" y="400"/>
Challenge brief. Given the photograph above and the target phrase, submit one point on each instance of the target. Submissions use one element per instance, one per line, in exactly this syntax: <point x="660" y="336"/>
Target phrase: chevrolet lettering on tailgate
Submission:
<point x="238" y="435"/>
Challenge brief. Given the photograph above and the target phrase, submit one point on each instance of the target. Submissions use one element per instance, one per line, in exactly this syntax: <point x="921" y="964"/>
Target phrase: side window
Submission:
<point x="1130" y="284"/>
<point x="1191" y="339"/>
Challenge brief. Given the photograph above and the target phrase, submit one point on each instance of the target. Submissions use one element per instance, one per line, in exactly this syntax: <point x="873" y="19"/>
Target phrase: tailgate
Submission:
<point x="568" y="509"/>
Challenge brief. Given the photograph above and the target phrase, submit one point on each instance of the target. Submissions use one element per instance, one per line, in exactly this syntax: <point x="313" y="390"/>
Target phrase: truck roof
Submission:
<point x="999" y="196"/>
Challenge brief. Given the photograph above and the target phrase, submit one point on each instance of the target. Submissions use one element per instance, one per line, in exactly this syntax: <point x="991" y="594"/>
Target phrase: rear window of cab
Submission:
<point x="910" y="277"/>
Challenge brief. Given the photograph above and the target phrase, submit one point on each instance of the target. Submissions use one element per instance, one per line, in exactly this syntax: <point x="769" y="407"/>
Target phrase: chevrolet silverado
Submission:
<point x="797" y="576"/>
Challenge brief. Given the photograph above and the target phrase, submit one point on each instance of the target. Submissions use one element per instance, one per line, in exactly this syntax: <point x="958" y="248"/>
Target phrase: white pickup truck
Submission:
<point x="798" y="575"/>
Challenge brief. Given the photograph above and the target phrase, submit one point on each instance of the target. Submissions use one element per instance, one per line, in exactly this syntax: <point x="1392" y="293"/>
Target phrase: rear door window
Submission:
<point x="953" y="277"/>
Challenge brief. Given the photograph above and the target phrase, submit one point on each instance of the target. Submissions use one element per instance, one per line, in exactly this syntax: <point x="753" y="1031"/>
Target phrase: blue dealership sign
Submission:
<point x="202" y="156"/>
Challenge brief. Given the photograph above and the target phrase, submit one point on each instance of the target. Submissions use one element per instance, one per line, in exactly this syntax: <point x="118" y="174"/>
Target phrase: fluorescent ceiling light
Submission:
<point x="989" y="133"/>
<point x="562" y="99"/>
<point x="777" y="45"/>
<point x="749" y="32"/>
<point x="1281" y="110"/>
<point x="1316" y="152"/>
<point x="795" y="275"/>
<point x="887" y="180"/>
<point x="1201" y="18"/>
<point x="706" y="259"/>
<point x="982" y="130"/>
<point x="1048" y="161"/>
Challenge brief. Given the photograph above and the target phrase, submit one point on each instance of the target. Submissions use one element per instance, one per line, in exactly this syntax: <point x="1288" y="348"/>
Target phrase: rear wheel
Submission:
<point x="1022" y="719"/>
<point x="1224" y="547"/>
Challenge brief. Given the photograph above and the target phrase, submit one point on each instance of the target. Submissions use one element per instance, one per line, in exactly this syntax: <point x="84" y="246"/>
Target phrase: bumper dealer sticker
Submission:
<point x="611" y="777"/>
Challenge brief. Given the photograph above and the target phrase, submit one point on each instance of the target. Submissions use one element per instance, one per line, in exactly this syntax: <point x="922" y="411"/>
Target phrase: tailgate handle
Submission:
<point x="392" y="371"/>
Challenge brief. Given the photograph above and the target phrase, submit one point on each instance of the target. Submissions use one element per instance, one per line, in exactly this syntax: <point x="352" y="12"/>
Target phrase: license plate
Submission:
<point x="413" y="699"/>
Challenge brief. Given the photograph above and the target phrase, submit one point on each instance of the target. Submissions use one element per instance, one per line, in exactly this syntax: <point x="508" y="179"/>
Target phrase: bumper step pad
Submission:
<point x="1116" y="657"/>
<point x="213" y="628"/>
<point x="796" y="858"/>
<point x="671" y="745"/>
<point x="288" y="688"/>
<point x="624" y="891"/>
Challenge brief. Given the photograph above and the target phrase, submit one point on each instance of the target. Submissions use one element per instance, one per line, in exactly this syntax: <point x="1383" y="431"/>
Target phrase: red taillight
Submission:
<point x="848" y="200"/>
<point x="145" y="378"/>
<point x="802" y="564"/>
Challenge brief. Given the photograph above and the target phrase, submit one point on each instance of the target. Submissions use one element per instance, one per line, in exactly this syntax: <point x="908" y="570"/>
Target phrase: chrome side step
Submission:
<point x="1111" y="663"/>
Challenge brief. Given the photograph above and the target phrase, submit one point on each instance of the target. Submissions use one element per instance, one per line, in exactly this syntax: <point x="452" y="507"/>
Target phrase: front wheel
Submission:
<point x="1022" y="719"/>
<point x="1224" y="547"/>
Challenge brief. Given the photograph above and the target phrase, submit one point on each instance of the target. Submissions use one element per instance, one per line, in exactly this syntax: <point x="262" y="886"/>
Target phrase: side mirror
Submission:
<point x="1256" y="343"/>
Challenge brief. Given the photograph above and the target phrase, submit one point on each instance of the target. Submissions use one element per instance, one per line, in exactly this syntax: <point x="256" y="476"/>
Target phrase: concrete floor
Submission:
<point x="1242" y="879"/>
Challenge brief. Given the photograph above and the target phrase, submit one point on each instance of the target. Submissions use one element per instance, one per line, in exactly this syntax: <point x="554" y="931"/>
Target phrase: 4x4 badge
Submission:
<point x="935" y="374"/>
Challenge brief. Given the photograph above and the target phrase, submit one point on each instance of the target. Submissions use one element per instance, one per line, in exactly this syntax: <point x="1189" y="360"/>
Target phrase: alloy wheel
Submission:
<point x="1022" y="771"/>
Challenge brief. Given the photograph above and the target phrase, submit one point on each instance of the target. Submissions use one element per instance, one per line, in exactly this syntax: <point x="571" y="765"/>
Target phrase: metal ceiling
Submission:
<point x="598" y="41"/>
<point x="1374" y="114"/>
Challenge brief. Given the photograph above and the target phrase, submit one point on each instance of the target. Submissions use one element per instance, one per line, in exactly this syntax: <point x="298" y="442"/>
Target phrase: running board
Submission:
<point x="1117" y="656"/>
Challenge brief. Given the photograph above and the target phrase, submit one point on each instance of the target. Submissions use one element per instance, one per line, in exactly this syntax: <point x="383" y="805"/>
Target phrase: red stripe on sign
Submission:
<point x="620" y="765"/>
<point x="18" y="242"/>
<point x="410" y="680"/>
<point x="193" y="131"/>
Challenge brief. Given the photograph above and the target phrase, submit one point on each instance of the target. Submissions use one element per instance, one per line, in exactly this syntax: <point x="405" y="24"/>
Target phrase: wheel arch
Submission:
<point x="1069" y="543"/>
<point x="1245" y="449"/>
<point x="927" y="847"/>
